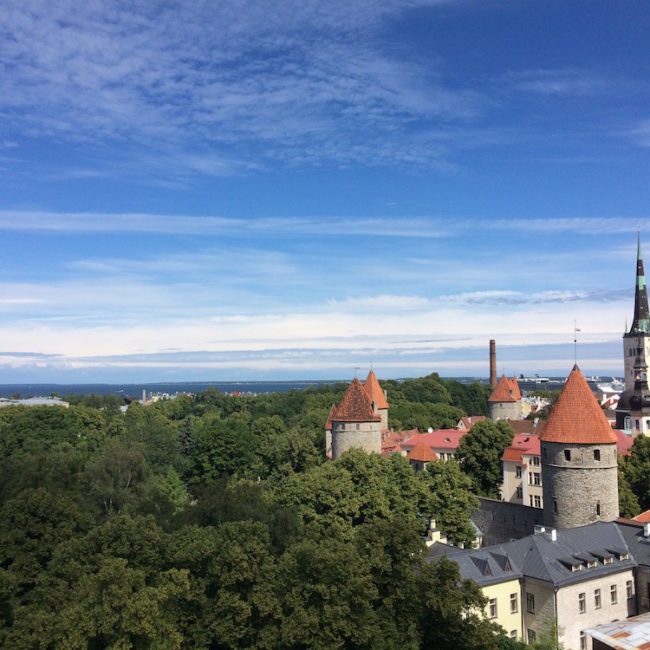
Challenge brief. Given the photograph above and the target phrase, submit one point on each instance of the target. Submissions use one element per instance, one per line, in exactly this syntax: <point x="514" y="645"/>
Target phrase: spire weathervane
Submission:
<point x="576" y="329"/>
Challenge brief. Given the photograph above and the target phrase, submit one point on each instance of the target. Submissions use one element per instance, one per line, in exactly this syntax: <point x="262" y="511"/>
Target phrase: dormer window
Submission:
<point x="608" y="560"/>
<point x="576" y="567"/>
<point x="592" y="564"/>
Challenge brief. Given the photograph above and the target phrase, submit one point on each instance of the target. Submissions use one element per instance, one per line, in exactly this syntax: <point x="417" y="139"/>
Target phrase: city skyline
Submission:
<point x="291" y="190"/>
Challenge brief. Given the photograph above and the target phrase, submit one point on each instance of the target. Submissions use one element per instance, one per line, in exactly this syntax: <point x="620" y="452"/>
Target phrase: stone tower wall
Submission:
<point x="505" y="410"/>
<point x="573" y="488"/>
<point x="363" y="435"/>
<point x="629" y="356"/>
<point x="384" y="417"/>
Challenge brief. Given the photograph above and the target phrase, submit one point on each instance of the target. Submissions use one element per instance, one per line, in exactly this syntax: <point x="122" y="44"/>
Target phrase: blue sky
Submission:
<point x="232" y="189"/>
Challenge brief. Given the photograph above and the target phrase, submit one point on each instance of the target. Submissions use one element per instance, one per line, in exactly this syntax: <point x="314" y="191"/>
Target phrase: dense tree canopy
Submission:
<point x="480" y="453"/>
<point x="215" y="522"/>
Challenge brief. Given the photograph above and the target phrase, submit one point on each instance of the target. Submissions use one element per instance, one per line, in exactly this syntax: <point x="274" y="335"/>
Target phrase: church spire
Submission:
<point x="641" y="321"/>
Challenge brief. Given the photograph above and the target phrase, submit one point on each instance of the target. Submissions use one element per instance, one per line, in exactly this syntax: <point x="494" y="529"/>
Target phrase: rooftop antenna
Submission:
<point x="576" y="329"/>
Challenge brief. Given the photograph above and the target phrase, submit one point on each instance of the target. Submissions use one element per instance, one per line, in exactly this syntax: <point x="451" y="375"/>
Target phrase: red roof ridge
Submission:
<point x="422" y="453"/>
<point x="504" y="391"/>
<point x="356" y="406"/>
<point x="375" y="391"/>
<point x="577" y="416"/>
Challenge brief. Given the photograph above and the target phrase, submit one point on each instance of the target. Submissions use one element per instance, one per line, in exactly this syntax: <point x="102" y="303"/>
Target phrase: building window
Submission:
<point x="583" y="641"/>
<point x="636" y="425"/>
<point x="520" y="493"/>
<point x="582" y="604"/>
<point x="596" y="454"/>
<point x="567" y="454"/>
<point x="598" y="508"/>
<point x="534" y="460"/>
<point x="358" y="427"/>
<point x="597" y="598"/>
<point x="612" y="594"/>
<point x="554" y="506"/>
<point x="530" y="500"/>
<point x="538" y="501"/>
<point x="530" y="603"/>
<point x="513" y="634"/>
<point x="518" y="471"/>
<point x="532" y="637"/>
<point x="493" y="607"/>
<point x="629" y="588"/>
<point x="513" y="603"/>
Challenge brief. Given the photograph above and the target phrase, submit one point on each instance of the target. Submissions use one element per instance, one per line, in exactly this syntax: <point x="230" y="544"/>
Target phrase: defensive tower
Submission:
<point x="633" y="409"/>
<point x="355" y="423"/>
<point x="505" y="401"/>
<point x="579" y="461"/>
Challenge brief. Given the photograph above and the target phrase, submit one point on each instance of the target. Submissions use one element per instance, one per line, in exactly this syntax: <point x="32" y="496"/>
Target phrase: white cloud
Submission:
<point x="293" y="81"/>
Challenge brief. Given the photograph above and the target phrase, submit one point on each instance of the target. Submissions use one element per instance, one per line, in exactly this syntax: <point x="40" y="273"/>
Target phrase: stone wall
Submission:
<point x="502" y="522"/>
<point x="364" y="435"/>
<point x="574" y="488"/>
<point x="505" y="410"/>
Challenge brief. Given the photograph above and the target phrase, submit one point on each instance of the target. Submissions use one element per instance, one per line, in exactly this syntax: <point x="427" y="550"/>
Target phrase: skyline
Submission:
<point x="291" y="190"/>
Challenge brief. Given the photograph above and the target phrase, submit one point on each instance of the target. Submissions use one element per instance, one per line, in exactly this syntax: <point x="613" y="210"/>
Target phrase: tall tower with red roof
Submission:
<point x="355" y="422"/>
<point x="633" y="409"/>
<point x="378" y="397"/>
<point x="505" y="401"/>
<point x="579" y="463"/>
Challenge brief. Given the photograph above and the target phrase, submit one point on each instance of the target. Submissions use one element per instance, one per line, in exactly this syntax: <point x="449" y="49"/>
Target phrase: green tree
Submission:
<point x="637" y="470"/>
<point x="452" y="501"/>
<point x="116" y="475"/>
<point x="221" y="447"/>
<point x="480" y="453"/>
<point x="628" y="504"/>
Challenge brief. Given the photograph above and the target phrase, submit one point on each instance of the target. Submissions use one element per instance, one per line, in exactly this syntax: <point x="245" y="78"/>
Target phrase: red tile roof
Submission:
<point x="439" y="439"/>
<point x="515" y="388"/>
<point x="522" y="444"/>
<point x="328" y="424"/>
<point x="469" y="421"/>
<point x="577" y="416"/>
<point x="643" y="518"/>
<point x="623" y="443"/>
<point x="375" y="392"/>
<point x="504" y="391"/>
<point x="421" y="453"/>
<point x="522" y="426"/>
<point x="355" y="406"/>
<point x="391" y="440"/>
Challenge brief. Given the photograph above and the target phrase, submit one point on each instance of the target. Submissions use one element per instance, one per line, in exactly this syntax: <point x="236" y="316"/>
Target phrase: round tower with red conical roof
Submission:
<point x="579" y="461"/>
<point x="355" y="422"/>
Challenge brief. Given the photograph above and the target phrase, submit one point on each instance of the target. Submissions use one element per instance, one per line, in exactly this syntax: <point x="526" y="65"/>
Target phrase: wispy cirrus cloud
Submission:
<point x="563" y="82"/>
<point x="226" y="83"/>
<point x="434" y="227"/>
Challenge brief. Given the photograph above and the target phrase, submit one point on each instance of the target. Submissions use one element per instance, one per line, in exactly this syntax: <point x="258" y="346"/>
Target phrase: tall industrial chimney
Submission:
<point x="493" y="363"/>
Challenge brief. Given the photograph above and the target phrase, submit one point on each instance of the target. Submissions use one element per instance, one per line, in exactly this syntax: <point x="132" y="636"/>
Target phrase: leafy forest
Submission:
<point x="212" y="521"/>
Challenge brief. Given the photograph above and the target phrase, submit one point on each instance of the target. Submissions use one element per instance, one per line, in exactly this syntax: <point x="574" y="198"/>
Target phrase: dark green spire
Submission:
<point x="641" y="320"/>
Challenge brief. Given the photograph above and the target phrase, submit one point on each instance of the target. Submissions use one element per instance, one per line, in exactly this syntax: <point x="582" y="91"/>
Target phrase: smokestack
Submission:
<point x="493" y="363"/>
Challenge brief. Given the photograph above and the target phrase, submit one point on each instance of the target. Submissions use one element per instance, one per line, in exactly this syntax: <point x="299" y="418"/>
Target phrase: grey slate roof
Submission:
<point x="636" y="542"/>
<point x="537" y="556"/>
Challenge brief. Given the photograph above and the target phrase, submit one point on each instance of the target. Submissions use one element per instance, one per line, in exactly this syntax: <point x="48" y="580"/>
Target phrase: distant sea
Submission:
<point x="247" y="387"/>
<point x="135" y="390"/>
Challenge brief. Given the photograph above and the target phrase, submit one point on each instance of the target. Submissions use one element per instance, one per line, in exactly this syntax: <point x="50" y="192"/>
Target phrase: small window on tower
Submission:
<point x="598" y="508"/>
<point x="567" y="454"/>
<point x="596" y="454"/>
<point x="554" y="506"/>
